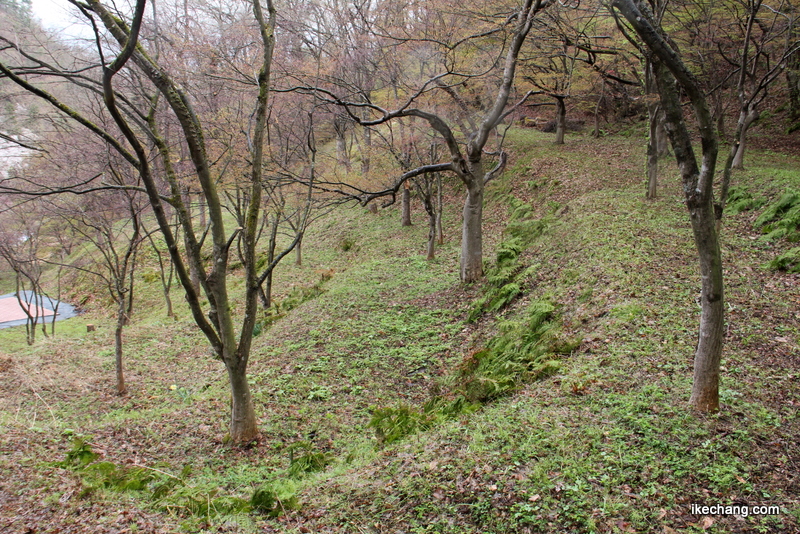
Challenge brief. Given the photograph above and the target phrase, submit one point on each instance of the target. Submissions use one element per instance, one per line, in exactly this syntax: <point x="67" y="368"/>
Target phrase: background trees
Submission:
<point x="186" y="118"/>
<point x="146" y="111"/>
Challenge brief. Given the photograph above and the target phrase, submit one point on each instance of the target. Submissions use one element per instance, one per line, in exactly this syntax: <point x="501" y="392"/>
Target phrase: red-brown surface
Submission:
<point x="10" y="310"/>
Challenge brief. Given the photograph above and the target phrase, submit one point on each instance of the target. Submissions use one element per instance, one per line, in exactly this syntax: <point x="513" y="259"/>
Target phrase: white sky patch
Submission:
<point x="60" y="17"/>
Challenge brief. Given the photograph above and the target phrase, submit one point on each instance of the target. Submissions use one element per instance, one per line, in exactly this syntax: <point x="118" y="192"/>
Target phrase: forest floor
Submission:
<point x="602" y="442"/>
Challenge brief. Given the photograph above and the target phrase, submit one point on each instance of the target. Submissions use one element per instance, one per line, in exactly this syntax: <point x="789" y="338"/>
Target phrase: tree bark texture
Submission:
<point x="405" y="206"/>
<point x="561" y="120"/>
<point x="472" y="234"/>
<point x="793" y="85"/>
<point x="121" y="320"/>
<point x="439" y="207"/>
<point x="244" y="425"/>
<point x="746" y="119"/>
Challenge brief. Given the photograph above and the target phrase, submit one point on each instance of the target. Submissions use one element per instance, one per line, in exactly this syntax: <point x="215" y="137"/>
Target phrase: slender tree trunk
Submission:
<point x="561" y="120"/>
<point x="698" y="189"/>
<point x="705" y="387"/>
<point x="653" y="111"/>
<point x="193" y="270"/>
<point x="431" y="249"/>
<point x="652" y="171"/>
<point x="719" y="114"/>
<point x="472" y="231"/>
<point x="122" y="319"/>
<point x="298" y="253"/>
<point x="406" y="206"/>
<point x="201" y="204"/>
<point x="439" y="206"/>
<point x="266" y="290"/>
<point x="662" y="139"/>
<point x="596" y="132"/>
<point x="340" y="127"/>
<point x="793" y="83"/>
<point x="366" y="148"/>
<point x="746" y="119"/>
<point x="131" y="285"/>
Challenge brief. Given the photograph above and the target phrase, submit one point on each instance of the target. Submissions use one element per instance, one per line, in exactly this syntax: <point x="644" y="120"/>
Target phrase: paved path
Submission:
<point x="12" y="314"/>
<point x="10" y="310"/>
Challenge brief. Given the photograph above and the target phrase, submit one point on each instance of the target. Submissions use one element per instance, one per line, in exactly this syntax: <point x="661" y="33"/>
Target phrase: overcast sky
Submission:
<point x="57" y="15"/>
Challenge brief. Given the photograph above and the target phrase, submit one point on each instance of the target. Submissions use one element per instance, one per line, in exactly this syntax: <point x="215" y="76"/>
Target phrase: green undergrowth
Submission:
<point x="559" y="407"/>
<point x="505" y="279"/>
<point x="175" y="494"/>
<point x="781" y="221"/>
<point x="194" y="499"/>
<point x="525" y="348"/>
<point x="605" y="444"/>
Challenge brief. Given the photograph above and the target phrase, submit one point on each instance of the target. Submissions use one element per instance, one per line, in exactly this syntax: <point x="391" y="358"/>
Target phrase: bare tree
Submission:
<point x="111" y="231"/>
<point x="466" y="156"/>
<point x="698" y="181"/>
<point x="149" y="107"/>
<point x="19" y="247"/>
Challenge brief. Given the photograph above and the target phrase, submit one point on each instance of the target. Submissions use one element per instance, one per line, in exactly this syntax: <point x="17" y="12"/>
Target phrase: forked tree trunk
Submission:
<point x="746" y="119"/>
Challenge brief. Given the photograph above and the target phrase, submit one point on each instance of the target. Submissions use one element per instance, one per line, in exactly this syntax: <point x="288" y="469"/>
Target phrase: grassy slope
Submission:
<point x="606" y="445"/>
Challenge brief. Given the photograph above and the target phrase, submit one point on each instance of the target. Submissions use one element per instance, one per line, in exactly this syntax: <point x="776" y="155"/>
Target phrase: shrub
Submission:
<point x="304" y="459"/>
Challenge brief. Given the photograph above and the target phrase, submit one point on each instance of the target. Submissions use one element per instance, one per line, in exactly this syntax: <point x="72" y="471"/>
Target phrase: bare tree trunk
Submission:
<point x="596" y="132"/>
<point x="366" y="146"/>
<point x="657" y="138"/>
<point x="431" y="248"/>
<point x="472" y="233"/>
<point x="194" y="273"/>
<point x="122" y="319"/>
<point x="561" y="120"/>
<point x="244" y="426"/>
<point x="406" y="206"/>
<point x="793" y="83"/>
<point x="340" y="122"/>
<point x="652" y="167"/>
<point x="201" y="204"/>
<point x="719" y="114"/>
<point x="439" y="206"/>
<point x="746" y="119"/>
<point x="698" y="186"/>
<point x="266" y="289"/>
<point x="705" y="386"/>
<point x="298" y="253"/>
<point x="662" y="139"/>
